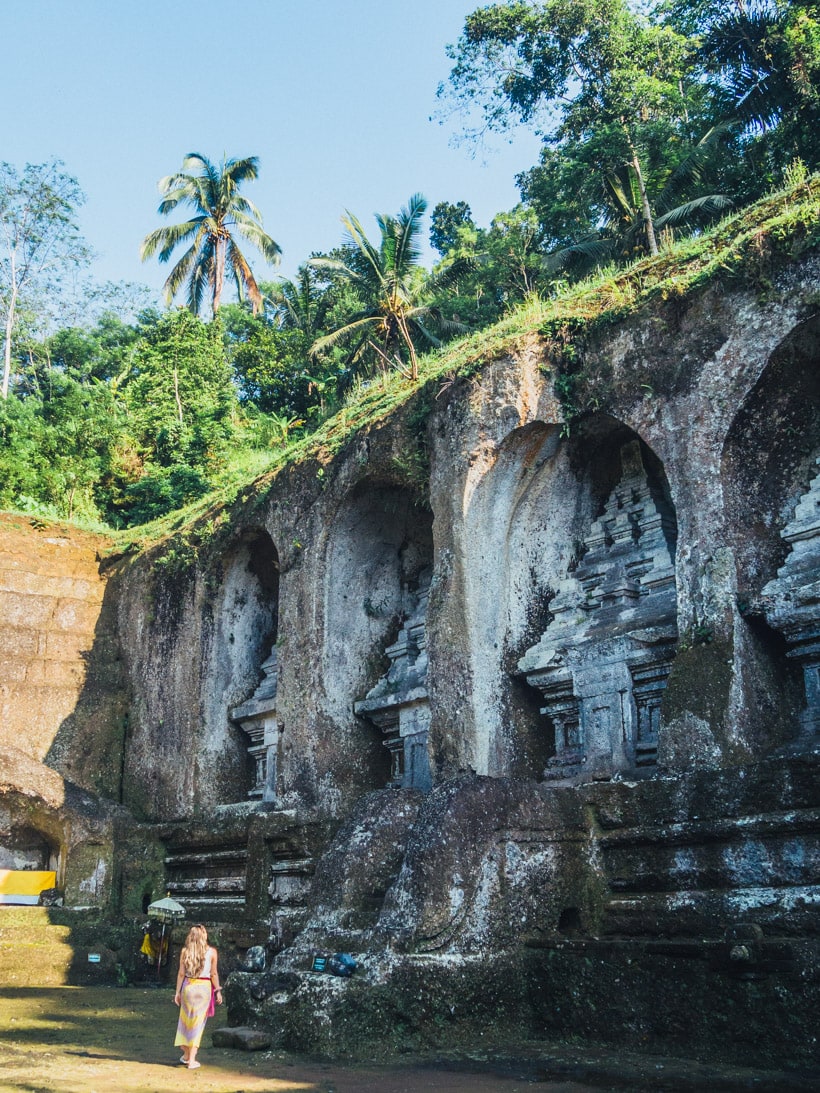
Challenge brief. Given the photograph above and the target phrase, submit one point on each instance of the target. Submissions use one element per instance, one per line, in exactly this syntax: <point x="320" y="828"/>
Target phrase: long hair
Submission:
<point x="194" y="951"/>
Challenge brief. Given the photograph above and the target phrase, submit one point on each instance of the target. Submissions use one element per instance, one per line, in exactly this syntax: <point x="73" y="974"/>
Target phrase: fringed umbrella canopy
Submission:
<point x="166" y="910"/>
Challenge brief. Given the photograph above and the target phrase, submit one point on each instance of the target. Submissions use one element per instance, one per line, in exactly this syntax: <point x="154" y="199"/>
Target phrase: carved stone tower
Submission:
<point x="399" y="702"/>
<point x="602" y="663"/>
<point x="791" y="602"/>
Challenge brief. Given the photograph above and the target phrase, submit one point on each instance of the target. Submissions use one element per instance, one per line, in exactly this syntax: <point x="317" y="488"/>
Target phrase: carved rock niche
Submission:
<point x="399" y="703"/>
<point x="258" y="718"/>
<point x="602" y="664"/>
<point x="791" y="603"/>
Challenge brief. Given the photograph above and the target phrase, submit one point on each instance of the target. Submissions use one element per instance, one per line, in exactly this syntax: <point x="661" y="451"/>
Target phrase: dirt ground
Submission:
<point x="120" y="1040"/>
<point x="109" y="1040"/>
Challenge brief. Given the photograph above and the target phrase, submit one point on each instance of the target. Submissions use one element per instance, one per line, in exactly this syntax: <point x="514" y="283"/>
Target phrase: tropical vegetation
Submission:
<point x="656" y="120"/>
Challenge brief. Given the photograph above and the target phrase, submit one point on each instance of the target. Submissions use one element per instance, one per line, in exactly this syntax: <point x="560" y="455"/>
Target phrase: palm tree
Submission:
<point x="392" y="289"/>
<point x="221" y="214"/>
<point x="298" y="304"/>
<point x="624" y="222"/>
<point x="765" y="69"/>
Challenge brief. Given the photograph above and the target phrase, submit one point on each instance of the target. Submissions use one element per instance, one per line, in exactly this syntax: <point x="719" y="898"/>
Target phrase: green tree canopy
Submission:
<point x="222" y="214"/>
<point x="760" y="60"/>
<point x="603" y="82"/>
<point x="446" y="222"/>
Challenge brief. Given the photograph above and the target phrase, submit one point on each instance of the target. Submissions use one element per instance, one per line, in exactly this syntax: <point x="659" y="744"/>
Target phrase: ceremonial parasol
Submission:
<point x="165" y="910"/>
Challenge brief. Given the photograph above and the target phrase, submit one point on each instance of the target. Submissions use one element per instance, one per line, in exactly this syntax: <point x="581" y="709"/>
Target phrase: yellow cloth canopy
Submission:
<point x="24" y="885"/>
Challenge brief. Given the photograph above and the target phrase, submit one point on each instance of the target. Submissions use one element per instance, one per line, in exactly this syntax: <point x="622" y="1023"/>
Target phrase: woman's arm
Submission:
<point x="215" y="976"/>
<point x="180" y="977"/>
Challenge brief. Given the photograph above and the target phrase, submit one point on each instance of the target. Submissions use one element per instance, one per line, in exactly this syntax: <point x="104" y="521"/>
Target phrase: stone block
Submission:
<point x="242" y="1038"/>
<point x="75" y="615"/>
<point x="18" y="642"/>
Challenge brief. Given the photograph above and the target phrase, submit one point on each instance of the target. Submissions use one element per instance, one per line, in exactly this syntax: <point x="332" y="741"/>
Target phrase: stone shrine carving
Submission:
<point x="258" y="719"/>
<point x="603" y="662"/>
<point x="399" y="704"/>
<point x="791" y="602"/>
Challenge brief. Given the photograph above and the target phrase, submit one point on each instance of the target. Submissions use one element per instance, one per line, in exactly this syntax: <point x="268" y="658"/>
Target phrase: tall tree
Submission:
<point x="222" y="214"/>
<point x="393" y="291"/>
<point x="596" y="73"/>
<point x="39" y="237"/>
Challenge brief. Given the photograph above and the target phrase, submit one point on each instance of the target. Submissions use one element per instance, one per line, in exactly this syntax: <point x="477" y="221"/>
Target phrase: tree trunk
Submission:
<point x="646" y="211"/>
<point x="414" y="364"/>
<point x="176" y="395"/>
<point x="219" y="272"/>
<point x="7" y="342"/>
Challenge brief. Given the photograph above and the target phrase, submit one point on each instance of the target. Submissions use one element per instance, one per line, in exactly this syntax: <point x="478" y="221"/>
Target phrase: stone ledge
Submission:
<point x="242" y="1038"/>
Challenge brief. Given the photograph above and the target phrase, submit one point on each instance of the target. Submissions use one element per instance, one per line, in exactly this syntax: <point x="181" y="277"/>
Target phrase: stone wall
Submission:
<point x="62" y="697"/>
<point x="716" y="398"/>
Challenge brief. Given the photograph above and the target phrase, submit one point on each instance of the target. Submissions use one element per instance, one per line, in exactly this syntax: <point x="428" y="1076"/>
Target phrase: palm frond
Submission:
<point x="166" y="240"/>
<point x="201" y="279"/>
<point x="243" y="276"/>
<point x="242" y="170"/>
<point x="691" y="168"/>
<point x="408" y="223"/>
<point x="251" y="231"/>
<point x="182" y="270"/>
<point x="359" y="239"/>
<point x="327" y="341"/>
<point x="709" y="204"/>
<point x="592" y="251"/>
<point x="334" y="265"/>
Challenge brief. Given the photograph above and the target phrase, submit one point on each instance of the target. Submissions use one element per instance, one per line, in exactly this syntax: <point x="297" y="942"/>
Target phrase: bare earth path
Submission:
<point x="109" y="1040"/>
<point x="120" y="1040"/>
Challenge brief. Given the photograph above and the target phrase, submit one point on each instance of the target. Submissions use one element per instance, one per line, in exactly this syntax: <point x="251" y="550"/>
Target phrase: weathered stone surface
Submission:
<point x="62" y="695"/>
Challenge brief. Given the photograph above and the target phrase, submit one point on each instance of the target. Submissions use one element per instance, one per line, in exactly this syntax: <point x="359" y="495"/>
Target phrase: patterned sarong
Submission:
<point x="193" y="1011"/>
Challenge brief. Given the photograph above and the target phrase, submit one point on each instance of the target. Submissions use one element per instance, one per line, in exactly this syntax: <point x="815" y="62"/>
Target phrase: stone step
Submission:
<point x="34" y="952"/>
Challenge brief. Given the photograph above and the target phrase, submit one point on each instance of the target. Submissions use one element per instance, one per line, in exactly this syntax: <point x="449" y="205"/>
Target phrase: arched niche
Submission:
<point x="768" y="456"/>
<point x="379" y="561"/>
<point x="32" y="851"/>
<point x="769" y="472"/>
<point x="245" y="628"/>
<point x="24" y="847"/>
<point x="582" y="526"/>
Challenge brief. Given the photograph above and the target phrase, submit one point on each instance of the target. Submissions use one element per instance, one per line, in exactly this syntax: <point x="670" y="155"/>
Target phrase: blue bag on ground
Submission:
<point x="341" y="964"/>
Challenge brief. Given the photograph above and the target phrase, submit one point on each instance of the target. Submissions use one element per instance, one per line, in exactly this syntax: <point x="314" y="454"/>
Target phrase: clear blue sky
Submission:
<point x="334" y="97"/>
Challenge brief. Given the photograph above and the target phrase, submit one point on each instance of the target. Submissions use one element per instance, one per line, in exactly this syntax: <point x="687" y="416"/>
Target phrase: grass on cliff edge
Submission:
<point x="742" y="248"/>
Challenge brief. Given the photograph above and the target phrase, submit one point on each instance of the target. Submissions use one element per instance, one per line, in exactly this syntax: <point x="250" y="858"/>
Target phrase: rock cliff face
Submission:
<point x="539" y="702"/>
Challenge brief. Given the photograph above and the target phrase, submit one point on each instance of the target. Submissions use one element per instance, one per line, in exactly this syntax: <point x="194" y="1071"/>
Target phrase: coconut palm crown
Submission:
<point x="221" y="214"/>
<point x="392" y="288"/>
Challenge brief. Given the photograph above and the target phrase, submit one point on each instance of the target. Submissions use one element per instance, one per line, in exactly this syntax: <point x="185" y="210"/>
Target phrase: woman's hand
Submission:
<point x="177" y="999"/>
<point x="218" y="994"/>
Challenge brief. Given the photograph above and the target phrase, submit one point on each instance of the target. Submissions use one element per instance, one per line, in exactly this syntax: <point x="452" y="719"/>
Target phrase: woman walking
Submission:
<point x="197" y="986"/>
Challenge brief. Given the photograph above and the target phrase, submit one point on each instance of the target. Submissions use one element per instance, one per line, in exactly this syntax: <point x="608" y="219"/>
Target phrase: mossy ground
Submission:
<point x="120" y="1040"/>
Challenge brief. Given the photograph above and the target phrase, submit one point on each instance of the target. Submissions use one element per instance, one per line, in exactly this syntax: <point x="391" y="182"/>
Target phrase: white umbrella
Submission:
<point x="165" y="910"/>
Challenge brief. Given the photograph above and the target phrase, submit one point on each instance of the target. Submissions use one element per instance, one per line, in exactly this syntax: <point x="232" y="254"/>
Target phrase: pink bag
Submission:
<point x="211" y="1008"/>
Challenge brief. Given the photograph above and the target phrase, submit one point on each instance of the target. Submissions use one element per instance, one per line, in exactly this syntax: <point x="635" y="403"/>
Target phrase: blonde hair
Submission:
<point x="194" y="951"/>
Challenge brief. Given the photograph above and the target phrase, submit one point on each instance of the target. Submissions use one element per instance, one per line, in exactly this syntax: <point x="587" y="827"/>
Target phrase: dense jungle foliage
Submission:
<point x="656" y="119"/>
